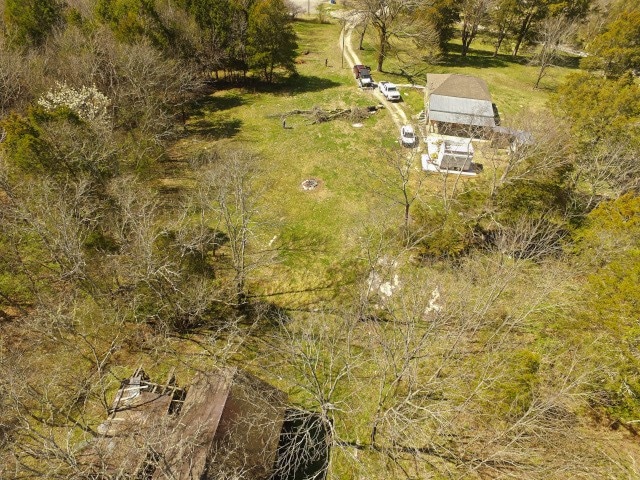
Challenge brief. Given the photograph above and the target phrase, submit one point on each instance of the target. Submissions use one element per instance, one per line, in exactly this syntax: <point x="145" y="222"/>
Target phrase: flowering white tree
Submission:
<point x="88" y="102"/>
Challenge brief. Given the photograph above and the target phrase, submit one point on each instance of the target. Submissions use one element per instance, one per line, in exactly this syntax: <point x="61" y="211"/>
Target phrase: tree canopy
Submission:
<point x="616" y="49"/>
<point x="441" y="325"/>
<point x="600" y="108"/>
<point x="271" y="39"/>
<point x="30" y="21"/>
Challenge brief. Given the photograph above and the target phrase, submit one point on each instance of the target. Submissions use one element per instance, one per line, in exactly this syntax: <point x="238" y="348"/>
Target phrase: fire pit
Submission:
<point x="310" y="184"/>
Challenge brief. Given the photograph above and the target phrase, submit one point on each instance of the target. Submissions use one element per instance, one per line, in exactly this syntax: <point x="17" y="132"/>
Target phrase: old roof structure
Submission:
<point x="459" y="99"/>
<point x="227" y="424"/>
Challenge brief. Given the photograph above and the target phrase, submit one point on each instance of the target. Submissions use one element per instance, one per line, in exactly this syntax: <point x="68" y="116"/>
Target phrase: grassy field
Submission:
<point x="322" y="223"/>
<point x="325" y="228"/>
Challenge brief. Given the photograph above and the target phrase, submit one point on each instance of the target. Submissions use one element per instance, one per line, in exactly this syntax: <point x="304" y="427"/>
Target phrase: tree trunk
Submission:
<point x="521" y="34"/>
<point x="468" y="34"/>
<point x="364" y="29"/>
<point x="383" y="47"/>
<point x="540" y="74"/>
<point x="501" y="36"/>
<point x="407" y="206"/>
<point x="543" y="65"/>
<point x="465" y="39"/>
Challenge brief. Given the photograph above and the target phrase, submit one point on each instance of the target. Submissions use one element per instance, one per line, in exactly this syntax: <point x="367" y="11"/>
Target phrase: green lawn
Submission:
<point x="323" y="228"/>
<point x="322" y="224"/>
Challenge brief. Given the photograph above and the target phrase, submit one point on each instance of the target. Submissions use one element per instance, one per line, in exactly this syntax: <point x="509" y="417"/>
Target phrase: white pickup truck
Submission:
<point x="390" y="91"/>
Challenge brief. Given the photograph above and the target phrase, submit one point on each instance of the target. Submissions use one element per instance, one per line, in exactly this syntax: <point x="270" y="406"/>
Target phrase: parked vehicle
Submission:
<point x="390" y="91"/>
<point x="363" y="75"/>
<point x="408" y="137"/>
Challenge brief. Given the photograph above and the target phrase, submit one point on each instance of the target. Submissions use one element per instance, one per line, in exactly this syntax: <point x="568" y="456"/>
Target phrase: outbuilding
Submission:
<point x="458" y="105"/>
<point x="226" y="423"/>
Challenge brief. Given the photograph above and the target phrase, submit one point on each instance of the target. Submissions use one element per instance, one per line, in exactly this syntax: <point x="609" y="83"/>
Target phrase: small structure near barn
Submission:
<point x="512" y="138"/>
<point x="446" y="154"/>
<point x="226" y="424"/>
<point x="457" y="104"/>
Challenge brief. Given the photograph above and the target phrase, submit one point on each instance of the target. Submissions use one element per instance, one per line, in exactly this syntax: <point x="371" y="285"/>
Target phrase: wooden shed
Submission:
<point x="226" y="424"/>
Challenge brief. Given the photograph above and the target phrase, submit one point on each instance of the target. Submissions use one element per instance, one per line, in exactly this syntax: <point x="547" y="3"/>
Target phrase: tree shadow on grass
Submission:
<point x="475" y="58"/>
<point x="568" y="61"/>
<point x="295" y="84"/>
<point x="312" y="20"/>
<point x="215" y="127"/>
<point x="218" y="103"/>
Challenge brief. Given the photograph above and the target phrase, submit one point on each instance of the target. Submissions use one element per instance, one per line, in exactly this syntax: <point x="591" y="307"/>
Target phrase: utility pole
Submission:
<point x="344" y="25"/>
<point x="308" y="7"/>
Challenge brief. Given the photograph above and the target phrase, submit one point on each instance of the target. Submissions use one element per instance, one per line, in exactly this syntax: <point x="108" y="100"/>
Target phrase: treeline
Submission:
<point x="104" y="43"/>
<point x="564" y="162"/>
<point x="508" y="24"/>
<point x="90" y="93"/>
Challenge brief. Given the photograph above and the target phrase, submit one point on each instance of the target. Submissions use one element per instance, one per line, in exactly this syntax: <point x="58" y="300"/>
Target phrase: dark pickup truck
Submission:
<point x="363" y="75"/>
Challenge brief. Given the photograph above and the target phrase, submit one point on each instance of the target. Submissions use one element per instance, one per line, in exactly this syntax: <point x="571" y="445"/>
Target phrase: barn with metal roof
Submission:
<point x="458" y="101"/>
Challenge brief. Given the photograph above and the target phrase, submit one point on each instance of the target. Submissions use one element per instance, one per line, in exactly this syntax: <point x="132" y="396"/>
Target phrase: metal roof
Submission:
<point x="461" y="110"/>
<point x="229" y="419"/>
<point x="459" y="99"/>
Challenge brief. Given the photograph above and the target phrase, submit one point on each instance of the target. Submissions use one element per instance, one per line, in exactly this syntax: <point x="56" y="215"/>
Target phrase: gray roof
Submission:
<point x="454" y="85"/>
<point x="459" y="99"/>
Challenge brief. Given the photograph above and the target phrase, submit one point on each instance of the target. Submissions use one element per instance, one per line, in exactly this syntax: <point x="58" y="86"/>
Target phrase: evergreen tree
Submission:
<point x="443" y="16"/>
<point x="271" y="39"/>
<point x="214" y="19"/>
<point x="600" y="109"/>
<point x="617" y="49"/>
<point x="30" y="21"/>
<point x="132" y="20"/>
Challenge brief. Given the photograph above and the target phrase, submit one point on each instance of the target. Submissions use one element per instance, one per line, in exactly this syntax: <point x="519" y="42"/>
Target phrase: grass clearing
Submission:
<point x="322" y="224"/>
<point x="322" y="228"/>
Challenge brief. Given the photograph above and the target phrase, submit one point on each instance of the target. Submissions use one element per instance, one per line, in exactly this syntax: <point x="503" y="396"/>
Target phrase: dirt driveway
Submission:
<point x="397" y="113"/>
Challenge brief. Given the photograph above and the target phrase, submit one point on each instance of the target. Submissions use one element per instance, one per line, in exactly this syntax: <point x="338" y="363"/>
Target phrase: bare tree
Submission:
<point x="610" y="168"/>
<point x="53" y="396"/>
<point x="404" y="187"/>
<point x="293" y="8"/>
<point x="236" y="192"/>
<point x="14" y="74"/>
<point x="363" y="26"/>
<point x="162" y="269"/>
<point x="387" y="18"/>
<point x="554" y="31"/>
<point x="536" y="146"/>
<point x="440" y="380"/>
<point x="445" y="358"/>
<point x="58" y="219"/>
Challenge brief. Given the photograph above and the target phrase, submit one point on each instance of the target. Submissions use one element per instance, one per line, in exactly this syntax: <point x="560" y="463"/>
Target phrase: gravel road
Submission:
<point x="397" y="113"/>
